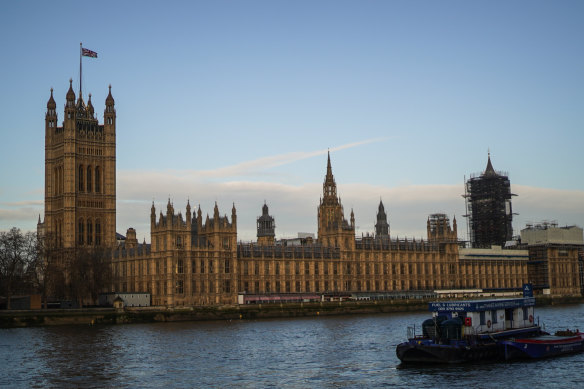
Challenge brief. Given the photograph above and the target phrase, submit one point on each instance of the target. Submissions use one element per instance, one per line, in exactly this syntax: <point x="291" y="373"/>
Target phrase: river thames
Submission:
<point x="316" y="352"/>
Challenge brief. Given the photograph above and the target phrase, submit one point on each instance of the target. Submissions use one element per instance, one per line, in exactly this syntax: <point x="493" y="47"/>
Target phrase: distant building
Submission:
<point x="382" y="225"/>
<point x="489" y="211"/>
<point x="438" y="228"/>
<point x="196" y="260"/>
<point x="133" y="299"/>
<point x="266" y="227"/>
<point x="555" y="260"/>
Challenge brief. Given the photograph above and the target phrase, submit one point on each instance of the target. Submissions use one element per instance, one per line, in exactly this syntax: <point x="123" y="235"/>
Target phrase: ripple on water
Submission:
<point x="330" y="352"/>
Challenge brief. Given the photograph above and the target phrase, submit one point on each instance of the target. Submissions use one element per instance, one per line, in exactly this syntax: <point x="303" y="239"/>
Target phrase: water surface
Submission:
<point x="329" y="352"/>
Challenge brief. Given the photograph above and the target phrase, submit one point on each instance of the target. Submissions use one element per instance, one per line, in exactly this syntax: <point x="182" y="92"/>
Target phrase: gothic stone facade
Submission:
<point x="80" y="175"/>
<point x="192" y="261"/>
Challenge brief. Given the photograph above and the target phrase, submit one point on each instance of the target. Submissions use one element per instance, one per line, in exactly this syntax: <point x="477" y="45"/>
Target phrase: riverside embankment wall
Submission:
<point x="99" y="316"/>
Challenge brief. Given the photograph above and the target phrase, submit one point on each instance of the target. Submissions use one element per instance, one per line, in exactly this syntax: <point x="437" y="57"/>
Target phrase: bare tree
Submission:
<point x="47" y="273"/>
<point x="18" y="254"/>
<point x="90" y="274"/>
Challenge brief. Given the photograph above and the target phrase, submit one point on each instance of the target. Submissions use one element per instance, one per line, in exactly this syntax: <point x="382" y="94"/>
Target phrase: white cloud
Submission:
<point x="295" y="207"/>
<point x="256" y="166"/>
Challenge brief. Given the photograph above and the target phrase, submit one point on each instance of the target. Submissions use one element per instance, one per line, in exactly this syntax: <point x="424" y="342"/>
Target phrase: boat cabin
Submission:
<point x="487" y="316"/>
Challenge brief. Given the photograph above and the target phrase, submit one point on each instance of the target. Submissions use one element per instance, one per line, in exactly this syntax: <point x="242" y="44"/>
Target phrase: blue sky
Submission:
<point x="234" y="101"/>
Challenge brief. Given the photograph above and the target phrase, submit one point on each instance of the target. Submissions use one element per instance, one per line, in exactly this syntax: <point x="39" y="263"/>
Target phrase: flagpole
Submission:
<point x="80" y="68"/>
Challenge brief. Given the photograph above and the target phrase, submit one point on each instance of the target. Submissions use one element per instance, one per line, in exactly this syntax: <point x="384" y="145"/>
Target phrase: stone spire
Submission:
<point x="329" y="187"/>
<point x="381" y="226"/>
<point x="489" y="171"/>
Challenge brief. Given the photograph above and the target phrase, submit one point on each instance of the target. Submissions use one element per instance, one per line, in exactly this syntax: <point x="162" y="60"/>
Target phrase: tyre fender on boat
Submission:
<point x="531" y="318"/>
<point x="488" y="323"/>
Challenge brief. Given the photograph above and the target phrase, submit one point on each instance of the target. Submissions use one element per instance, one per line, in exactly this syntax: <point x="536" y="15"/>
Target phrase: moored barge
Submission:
<point x="465" y="331"/>
<point x="563" y="342"/>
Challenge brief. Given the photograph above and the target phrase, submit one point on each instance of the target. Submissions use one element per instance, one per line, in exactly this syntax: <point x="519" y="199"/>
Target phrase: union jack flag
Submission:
<point x="88" y="53"/>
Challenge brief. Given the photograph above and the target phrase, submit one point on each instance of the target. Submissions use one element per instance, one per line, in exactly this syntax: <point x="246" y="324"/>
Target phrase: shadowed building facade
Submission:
<point x="196" y="261"/>
<point x="80" y="174"/>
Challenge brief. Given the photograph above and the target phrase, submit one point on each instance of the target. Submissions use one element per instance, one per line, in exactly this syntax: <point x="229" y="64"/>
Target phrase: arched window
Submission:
<point x="55" y="181"/>
<point x="89" y="178"/>
<point x="97" y="180"/>
<point x="80" y="232"/>
<point x="97" y="232"/>
<point x="89" y="232"/>
<point x="60" y="186"/>
<point x="80" y="178"/>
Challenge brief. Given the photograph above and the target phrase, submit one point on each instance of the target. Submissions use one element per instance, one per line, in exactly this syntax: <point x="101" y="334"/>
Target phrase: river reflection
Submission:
<point x="341" y="351"/>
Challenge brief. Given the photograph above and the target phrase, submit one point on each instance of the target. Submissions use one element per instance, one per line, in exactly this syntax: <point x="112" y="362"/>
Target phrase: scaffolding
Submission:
<point x="488" y="206"/>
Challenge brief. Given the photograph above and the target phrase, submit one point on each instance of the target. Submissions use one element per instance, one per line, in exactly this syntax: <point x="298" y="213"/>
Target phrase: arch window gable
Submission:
<point x="97" y="179"/>
<point x="89" y="178"/>
<point x="80" y="178"/>
<point x="80" y="232"/>
<point x="97" y="232"/>
<point x="89" y="232"/>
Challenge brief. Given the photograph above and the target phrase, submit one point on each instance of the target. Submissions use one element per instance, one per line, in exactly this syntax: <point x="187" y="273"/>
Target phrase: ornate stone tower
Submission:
<point x="266" y="227"/>
<point x="80" y="174"/>
<point x="333" y="228"/>
<point x="489" y="211"/>
<point x="438" y="228"/>
<point x="382" y="226"/>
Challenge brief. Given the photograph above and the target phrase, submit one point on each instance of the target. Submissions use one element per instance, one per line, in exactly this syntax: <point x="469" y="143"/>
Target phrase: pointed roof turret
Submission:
<point x="70" y="93"/>
<point x="90" y="109"/>
<point x="489" y="171"/>
<point x="265" y="209"/>
<point x="169" y="208"/>
<point x="329" y="187"/>
<point x="109" y="100"/>
<point x="51" y="103"/>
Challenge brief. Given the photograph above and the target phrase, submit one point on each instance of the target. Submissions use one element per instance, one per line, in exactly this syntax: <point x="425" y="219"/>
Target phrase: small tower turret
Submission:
<point x="266" y="228"/>
<point x="234" y="217"/>
<point x="90" y="110"/>
<point x="51" y="115"/>
<point x="188" y="212"/>
<point x="381" y="226"/>
<point x="109" y="115"/>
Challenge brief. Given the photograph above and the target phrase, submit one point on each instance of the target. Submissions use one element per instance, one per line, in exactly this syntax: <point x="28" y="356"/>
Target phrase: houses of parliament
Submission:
<point x="194" y="261"/>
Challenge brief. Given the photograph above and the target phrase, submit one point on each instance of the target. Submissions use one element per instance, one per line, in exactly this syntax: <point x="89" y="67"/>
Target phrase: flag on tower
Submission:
<point x="88" y="53"/>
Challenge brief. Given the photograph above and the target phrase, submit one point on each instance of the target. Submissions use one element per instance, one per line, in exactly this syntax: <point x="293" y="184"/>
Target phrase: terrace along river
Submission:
<point x="341" y="351"/>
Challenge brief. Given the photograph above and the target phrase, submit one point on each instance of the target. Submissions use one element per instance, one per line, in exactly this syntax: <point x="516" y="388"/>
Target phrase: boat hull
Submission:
<point x="414" y="352"/>
<point x="542" y="346"/>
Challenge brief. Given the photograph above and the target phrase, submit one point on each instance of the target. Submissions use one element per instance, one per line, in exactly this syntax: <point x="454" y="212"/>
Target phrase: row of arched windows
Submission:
<point x="89" y="233"/>
<point x="92" y="180"/>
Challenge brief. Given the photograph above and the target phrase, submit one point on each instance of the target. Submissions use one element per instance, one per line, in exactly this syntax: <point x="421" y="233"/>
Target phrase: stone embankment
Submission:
<point x="99" y="316"/>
